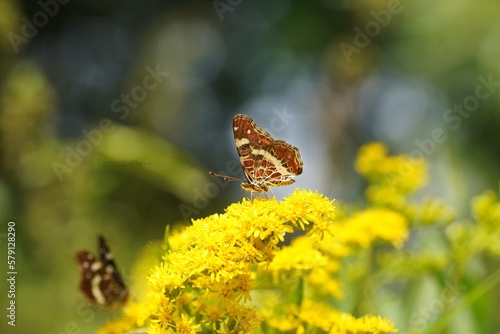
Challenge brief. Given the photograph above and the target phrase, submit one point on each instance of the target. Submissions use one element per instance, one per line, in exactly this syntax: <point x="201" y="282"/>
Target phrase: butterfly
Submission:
<point x="266" y="162"/>
<point x="101" y="282"/>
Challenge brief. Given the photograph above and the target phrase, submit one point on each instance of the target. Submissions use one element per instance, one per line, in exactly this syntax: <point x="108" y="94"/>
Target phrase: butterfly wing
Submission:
<point x="101" y="281"/>
<point x="87" y="262"/>
<point x="112" y="283"/>
<point x="287" y="164"/>
<point x="251" y="143"/>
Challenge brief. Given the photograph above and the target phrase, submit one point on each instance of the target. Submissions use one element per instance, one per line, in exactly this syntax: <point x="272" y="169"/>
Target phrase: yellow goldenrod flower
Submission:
<point x="390" y="177"/>
<point x="215" y="274"/>
<point x="372" y="224"/>
<point x="486" y="209"/>
<point x="329" y="320"/>
<point x="186" y="325"/>
<point x="285" y="323"/>
<point x="123" y="325"/>
<point x="370" y="158"/>
<point x="243" y="271"/>
<point x="432" y="211"/>
<point x="386" y="196"/>
<point x="301" y="255"/>
<point x="304" y="207"/>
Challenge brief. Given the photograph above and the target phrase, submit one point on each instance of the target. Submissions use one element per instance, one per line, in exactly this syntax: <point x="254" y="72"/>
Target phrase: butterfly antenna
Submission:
<point x="226" y="177"/>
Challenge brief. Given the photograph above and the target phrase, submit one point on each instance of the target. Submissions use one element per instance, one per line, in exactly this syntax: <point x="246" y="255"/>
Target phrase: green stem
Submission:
<point x="300" y="291"/>
<point x="470" y="298"/>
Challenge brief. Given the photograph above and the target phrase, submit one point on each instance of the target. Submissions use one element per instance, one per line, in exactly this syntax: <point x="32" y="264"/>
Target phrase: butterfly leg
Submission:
<point x="272" y="192"/>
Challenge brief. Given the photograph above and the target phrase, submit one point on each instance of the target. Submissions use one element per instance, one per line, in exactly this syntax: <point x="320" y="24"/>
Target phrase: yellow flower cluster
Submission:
<point x="304" y="273"/>
<point x="372" y="224"/>
<point x="391" y="181"/>
<point x="486" y="209"/>
<point x="231" y="273"/>
<point x="484" y="233"/>
<point x="327" y="320"/>
<point x="432" y="211"/>
<point x="390" y="178"/>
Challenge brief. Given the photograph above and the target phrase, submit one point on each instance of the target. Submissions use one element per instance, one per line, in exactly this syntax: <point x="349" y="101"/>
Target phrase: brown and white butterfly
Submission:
<point x="266" y="162"/>
<point x="100" y="281"/>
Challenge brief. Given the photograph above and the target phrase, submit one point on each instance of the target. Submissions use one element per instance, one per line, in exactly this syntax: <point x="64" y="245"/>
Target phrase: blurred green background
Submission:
<point x="112" y="113"/>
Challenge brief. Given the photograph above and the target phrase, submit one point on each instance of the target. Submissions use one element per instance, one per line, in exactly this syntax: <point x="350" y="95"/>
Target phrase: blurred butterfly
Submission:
<point x="101" y="282"/>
